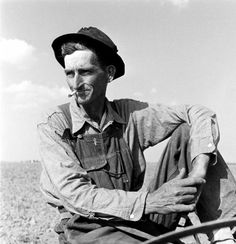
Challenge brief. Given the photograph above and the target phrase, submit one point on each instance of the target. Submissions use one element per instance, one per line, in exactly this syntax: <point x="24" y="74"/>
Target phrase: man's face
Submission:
<point x="85" y="75"/>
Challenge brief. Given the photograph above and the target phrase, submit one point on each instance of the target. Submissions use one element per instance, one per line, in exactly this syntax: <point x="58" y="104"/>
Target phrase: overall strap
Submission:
<point x="113" y="105"/>
<point x="115" y="108"/>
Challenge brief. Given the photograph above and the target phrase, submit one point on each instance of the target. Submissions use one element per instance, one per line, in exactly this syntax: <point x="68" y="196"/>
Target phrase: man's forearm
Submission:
<point x="200" y="165"/>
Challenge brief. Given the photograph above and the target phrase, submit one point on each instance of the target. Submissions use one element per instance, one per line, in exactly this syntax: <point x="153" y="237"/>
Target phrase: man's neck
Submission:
<point x="95" y="110"/>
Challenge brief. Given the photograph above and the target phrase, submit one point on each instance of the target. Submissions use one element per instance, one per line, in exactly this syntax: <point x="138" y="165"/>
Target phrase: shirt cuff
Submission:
<point x="135" y="209"/>
<point x="204" y="145"/>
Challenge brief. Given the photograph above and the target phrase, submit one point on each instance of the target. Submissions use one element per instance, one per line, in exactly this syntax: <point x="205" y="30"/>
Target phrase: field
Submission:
<point x="25" y="218"/>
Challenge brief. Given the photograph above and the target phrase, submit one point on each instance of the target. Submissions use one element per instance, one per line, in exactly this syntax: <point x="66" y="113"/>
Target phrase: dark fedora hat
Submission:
<point x="96" y="39"/>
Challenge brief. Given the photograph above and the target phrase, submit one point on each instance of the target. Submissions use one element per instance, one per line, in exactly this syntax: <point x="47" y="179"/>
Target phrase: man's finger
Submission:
<point x="179" y="208"/>
<point x="192" y="181"/>
<point x="187" y="190"/>
<point x="186" y="199"/>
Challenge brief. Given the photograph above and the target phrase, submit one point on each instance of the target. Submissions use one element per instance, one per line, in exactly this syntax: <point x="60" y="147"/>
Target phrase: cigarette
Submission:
<point x="72" y="93"/>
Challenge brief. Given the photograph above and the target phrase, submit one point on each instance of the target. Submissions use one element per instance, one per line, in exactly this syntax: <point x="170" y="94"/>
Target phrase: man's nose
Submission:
<point x="77" y="79"/>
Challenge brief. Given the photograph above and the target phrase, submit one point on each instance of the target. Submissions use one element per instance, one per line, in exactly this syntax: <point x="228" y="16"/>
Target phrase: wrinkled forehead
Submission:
<point x="80" y="58"/>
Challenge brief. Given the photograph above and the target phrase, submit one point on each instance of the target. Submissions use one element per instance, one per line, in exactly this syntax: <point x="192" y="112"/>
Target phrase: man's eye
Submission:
<point x="85" y="72"/>
<point x="69" y="74"/>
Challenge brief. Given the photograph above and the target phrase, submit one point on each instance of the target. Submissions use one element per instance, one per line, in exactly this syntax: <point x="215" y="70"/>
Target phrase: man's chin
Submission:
<point x="82" y="101"/>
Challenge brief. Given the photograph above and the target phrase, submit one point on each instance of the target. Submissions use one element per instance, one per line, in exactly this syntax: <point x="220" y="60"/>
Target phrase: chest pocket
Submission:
<point x="107" y="159"/>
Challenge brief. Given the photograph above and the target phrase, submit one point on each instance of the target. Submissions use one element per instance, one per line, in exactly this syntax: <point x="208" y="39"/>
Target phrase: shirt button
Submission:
<point x="210" y="145"/>
<point x="131" y="216"/>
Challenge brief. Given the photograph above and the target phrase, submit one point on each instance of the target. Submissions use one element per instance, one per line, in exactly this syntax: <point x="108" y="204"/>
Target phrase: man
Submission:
<point x="93" y="162"/>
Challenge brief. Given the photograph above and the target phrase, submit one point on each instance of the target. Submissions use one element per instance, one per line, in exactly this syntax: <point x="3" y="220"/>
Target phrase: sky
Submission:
<point x="175" y="51"/>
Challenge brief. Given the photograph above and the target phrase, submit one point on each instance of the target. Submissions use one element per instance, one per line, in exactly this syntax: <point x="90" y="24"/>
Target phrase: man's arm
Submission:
<point x="200" y="165"/>
<point x="157" y="122"/>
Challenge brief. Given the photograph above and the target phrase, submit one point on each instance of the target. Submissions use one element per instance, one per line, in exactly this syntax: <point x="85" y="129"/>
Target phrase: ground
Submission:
<point x="25" y="218"/>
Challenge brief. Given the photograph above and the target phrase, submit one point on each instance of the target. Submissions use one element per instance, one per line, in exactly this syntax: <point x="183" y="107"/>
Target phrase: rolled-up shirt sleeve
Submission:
<point x="157" y="122"/>
<point x="68" y="183"/>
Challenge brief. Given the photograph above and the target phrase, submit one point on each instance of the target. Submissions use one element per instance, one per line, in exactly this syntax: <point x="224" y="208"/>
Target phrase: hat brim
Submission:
<point x="59" y="41"/>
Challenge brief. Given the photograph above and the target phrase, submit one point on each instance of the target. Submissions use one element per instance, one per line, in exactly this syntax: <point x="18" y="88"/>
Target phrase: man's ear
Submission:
<point x="111" y="70"/>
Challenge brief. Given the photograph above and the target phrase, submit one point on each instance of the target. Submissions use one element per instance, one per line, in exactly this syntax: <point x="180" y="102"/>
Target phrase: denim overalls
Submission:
<point x="106" y="158"/>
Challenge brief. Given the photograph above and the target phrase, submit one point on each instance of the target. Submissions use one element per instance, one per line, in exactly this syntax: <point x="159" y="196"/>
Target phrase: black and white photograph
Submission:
<point x="118" y="121"/>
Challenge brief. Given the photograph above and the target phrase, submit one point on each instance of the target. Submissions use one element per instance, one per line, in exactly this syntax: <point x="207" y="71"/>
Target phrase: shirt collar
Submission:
<point x="79" y="116"/>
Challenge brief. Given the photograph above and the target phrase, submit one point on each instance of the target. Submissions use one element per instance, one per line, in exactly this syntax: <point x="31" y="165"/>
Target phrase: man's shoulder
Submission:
<point x="129" y="105"/>
<point x="54" y="114"/>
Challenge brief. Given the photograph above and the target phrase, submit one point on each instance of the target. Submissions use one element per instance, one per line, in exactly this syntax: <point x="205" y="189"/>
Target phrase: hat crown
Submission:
<point x="98" y="35"/>
<point x="95" y="38"/>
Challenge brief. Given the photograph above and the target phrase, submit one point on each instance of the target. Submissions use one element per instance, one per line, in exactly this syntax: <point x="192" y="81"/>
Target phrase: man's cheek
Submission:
<point x="69" y="83"/>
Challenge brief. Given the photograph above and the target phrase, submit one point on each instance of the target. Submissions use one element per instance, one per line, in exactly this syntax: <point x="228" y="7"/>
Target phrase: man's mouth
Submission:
<point x="72" y="93"/>
<point x="83" y="89"/>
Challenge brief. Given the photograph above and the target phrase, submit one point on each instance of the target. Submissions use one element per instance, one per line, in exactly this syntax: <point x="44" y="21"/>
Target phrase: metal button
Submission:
<point x="210" y="145"/>
<point x="131" y="216"/>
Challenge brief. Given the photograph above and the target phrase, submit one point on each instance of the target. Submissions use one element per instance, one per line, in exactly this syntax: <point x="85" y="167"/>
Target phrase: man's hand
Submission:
<point x="177" y="195"/>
